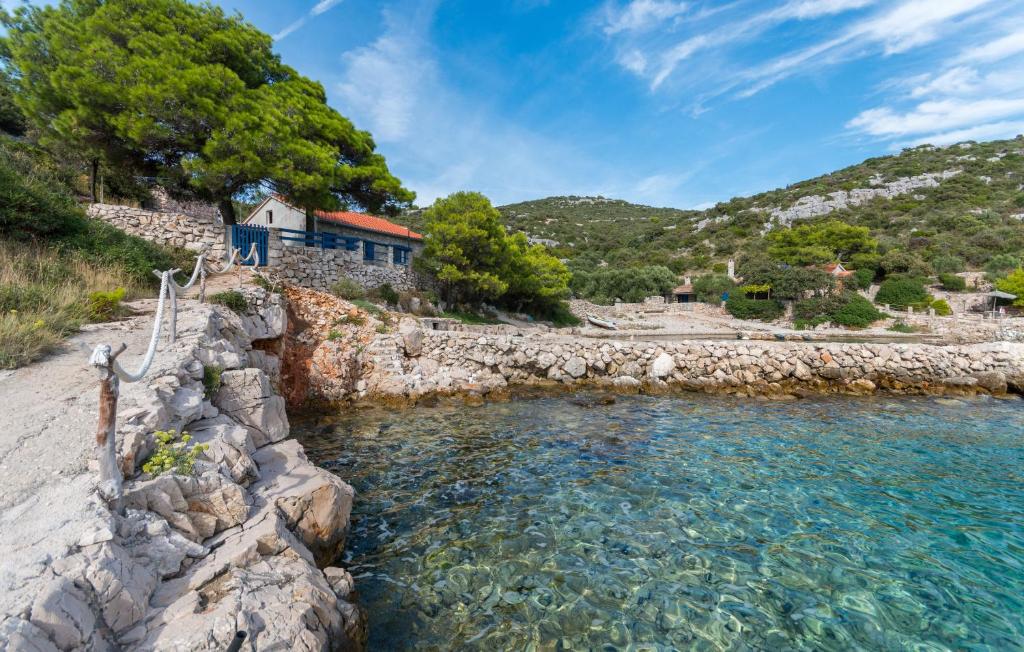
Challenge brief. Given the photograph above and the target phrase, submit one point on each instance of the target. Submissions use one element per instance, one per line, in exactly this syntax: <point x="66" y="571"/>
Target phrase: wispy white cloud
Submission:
<point x="319" y="8"/>
<point x="638" y="15"/>
<point x="1001" y="48"/>
<point x="934" y="116"/>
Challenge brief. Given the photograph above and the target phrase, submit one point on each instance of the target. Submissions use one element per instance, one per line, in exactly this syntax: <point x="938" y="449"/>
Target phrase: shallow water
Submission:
<point x="685" y="523"/>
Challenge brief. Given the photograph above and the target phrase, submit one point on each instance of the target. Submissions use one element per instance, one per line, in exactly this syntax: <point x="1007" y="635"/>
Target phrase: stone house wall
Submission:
<point x="319" y="269"/>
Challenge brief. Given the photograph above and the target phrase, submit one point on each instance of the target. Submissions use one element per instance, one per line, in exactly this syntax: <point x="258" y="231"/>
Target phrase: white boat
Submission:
<point x="602" y="323"/>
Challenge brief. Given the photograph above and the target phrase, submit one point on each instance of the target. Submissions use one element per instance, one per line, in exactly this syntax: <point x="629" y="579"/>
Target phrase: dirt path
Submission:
<point x="48" y="414"/>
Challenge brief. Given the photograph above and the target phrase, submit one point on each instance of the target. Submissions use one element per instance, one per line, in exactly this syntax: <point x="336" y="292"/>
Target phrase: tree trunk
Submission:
<point x="310" y="227"/>
<point x="227" y="211"/>
<point x="94" y="174"/>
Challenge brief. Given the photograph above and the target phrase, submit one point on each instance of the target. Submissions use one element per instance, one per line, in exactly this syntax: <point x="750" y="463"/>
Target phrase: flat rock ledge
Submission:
<point x="241" y="546"/>
<point x="459" y="363"/>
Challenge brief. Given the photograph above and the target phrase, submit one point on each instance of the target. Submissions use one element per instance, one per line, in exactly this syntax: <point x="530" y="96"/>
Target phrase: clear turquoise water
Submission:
<point x="686" y="523"/>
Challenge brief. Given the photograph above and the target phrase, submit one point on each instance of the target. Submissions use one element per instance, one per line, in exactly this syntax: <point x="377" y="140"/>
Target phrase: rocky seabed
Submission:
<point x="426" y="362"/>
<point x="244" y="545"/>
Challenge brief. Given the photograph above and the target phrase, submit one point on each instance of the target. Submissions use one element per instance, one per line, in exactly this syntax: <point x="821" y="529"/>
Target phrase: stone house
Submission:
<point x="373" y="240"/>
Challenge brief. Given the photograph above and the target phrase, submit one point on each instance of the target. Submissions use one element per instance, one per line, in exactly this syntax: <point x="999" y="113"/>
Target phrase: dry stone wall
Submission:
<point x="191" y="231"/>
<point x="450" y="362"/>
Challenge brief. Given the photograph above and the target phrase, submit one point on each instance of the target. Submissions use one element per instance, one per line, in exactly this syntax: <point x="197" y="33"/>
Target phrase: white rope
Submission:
<point x="230" y="263"/>
<point x="153" y="340"/>
<point x="200" y="261"/>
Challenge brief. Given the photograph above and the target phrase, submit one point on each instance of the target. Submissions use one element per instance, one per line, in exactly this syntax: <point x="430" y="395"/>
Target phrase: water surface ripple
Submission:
<point x="702" y="523"/>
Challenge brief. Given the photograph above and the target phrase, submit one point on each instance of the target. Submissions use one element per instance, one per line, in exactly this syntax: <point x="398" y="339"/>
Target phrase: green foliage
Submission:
<point x="232" y="299"/>
<point x="632" y="285"/>
<point x="1002" y="264"/>
<point x="819" y="308"/>
<point x="263" y="282"/>
<point x="941" y="308"/>
<point x="755" y="288"/>
<point x="370" y="307"/>
<point x="785" y="282"/>
<point x="351" y="320"/>
<point x="899" y="261"/>
<point x="173" y="454"/>
<point x="1013" y="284"/>
<point x="383" y="328"/>
<point x="211" y="380"/>
<point x="710" y="288"/>
<point x="35" y="201"/>
<point x="901" y="327"/>
<point x="952" y="282"/>
<point x="184" y="92"/>
<point x="475" y="261"/>
<point x="901" y="292"/>
<point x="104" y="306"/>
<point x="856" y="312"/>
<point x="763" y="309"/>
<point x="387" y="294"/>
<point x="346" y="288"/>
<point x="335" y="335"/>
<point x="948" y="264"/>
<point x="863" y="278"/>
<point x="822" y="242"/>
<point x="12" y="120"/>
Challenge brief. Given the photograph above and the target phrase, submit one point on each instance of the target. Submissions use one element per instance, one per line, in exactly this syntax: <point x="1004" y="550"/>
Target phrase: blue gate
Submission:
<point x="243" y="236"/>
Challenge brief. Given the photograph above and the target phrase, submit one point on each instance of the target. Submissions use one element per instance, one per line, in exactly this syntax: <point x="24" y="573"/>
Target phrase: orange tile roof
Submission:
<point x="368" y="223"/>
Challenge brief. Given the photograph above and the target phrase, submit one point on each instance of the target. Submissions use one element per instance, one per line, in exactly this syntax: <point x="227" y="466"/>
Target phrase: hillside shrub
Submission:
<point x="941" y="308"/>
<point x="104" y="306"/>
<point x="762" y="309"/>
<point x="952" y="282"/>
<point x="863" y="278"/>
<point x="386" y="293"/>
<point x="211" y="380"/>
<point x="348" y="289"/>
<point x="173" y="454"/>
<point x="631" y="285"/>
<point x="710" y="288"/>
<point x="948" y="264"/>
<point x="1014" y="284"/>
<point x="901" y="291"/>
<point x="856" y="312"/>
<point x="1002" y="264"/>
<point x="232" y="299"/>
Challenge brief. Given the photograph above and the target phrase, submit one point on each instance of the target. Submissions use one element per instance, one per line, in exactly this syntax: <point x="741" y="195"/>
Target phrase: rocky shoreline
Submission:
<point x="242" y="546"/>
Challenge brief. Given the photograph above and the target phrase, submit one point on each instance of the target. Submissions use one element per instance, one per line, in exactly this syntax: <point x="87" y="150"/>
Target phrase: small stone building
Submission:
<point x="374" y="240"/>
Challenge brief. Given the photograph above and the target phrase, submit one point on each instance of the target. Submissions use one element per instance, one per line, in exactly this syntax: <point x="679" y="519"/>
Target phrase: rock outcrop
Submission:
<point x="239" y="546"/>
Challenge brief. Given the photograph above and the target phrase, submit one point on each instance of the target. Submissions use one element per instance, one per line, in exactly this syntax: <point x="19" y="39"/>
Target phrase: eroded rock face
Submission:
<point x="198" y="507"/>
<point x="248" y="397"/>
<point x="316" y="504"/>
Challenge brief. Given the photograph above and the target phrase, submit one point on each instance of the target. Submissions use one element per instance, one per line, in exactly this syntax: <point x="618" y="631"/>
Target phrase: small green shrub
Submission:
<point x="941" y="308"/>
<point x="335" y="335"/>
<point x="211" y="380"/>
<point x="762" y="309"/>
<point x="369" y="307"/>
<point x="173" y="454"/>
<point x="232" y="299"/>
<point x="901" y="291"/>
<point x="562" y="317"/>
<point x="348" y="289"/>
<point x="857" y="312"/>
<point x="802" y="324"/>
<point x="387" y="294"/>
<point x="104" y="306"/>
<point x="350" y="320"/>
<point x="948" y="264"/>
<point x="952" y="282"/>
<point x="862" y="278"/>
<point x="383" y="328"/>
<point x="900" y="327"/>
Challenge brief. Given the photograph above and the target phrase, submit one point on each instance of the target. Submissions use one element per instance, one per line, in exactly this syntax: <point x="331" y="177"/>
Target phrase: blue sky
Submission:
<point x="664" y="102"/>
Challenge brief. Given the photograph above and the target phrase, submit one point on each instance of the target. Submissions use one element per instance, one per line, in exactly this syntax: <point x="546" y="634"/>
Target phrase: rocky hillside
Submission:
<point x="966" y="200"/>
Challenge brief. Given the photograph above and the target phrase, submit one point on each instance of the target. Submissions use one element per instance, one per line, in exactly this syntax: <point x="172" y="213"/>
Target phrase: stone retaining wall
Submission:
<point x="191" y="231"/>
<point x="238" y="546"/>
<point x="459" y="362"/>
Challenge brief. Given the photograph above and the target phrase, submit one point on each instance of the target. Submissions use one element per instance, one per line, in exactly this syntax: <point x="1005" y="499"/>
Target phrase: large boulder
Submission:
<point x="248" y="397"/>
<point x="662" y="366"/>
<point x="412" y="336"/>
<point x="198" y="507"/>
<point x="316" y="504"/>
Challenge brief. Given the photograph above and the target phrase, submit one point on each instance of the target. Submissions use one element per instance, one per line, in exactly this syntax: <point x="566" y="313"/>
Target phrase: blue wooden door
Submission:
<point x="244" y="235"/>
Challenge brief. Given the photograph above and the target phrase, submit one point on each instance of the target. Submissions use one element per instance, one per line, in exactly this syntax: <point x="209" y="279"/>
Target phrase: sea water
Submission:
<point x="698" y="522"/>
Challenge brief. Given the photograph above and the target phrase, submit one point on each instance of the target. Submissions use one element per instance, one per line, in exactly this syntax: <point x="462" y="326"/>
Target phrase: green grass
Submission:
<point x="45" y="297"/>
<point x="232" y="299"/>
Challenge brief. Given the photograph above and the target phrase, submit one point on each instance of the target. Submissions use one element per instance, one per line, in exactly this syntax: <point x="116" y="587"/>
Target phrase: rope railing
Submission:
<point x="111" y="373"/>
